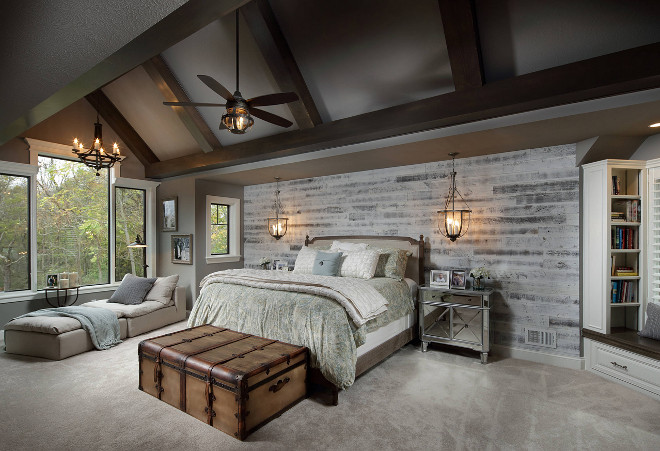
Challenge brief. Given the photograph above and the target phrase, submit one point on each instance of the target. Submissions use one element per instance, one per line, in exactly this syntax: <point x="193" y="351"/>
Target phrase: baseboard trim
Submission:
<point x="563" y="361"/>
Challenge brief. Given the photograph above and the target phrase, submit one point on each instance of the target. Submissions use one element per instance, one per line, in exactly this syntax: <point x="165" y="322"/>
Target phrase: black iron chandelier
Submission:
<point x="454" y="220"/>
<point x="96" y="156"/>
<point x="277" y="226"/>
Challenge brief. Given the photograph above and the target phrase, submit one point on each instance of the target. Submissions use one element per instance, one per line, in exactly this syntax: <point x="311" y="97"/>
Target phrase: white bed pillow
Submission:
<point x="345" y="247"/>
<point x="305" y="261"/>
<point x="359" y="264"/>
<point x="162" y="289"/>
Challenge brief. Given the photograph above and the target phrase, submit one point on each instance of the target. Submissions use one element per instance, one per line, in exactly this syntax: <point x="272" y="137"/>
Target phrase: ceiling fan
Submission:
<point x="238" y="117"/>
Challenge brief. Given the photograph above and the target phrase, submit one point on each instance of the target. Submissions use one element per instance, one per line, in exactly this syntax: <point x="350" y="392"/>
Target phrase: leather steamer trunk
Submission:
<point x="235" y="382"/>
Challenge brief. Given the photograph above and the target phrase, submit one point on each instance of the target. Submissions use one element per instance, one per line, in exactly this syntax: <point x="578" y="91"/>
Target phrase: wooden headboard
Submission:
<point x="415" y="268"/>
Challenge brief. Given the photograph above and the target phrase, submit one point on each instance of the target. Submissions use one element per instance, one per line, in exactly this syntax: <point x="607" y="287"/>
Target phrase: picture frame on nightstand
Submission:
<point x="457" y="281"/>
<point x="439" y="278"/>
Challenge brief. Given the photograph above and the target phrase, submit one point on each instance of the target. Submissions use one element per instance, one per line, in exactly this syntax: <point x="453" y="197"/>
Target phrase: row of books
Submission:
<point x="623" y="291"/>
<point x="626" y="211"/>
<point x="624" y="238"/>
<point x="623" y="271"/>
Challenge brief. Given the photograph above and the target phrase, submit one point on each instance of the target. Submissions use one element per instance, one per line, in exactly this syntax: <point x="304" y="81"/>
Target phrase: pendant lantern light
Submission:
<point x="454" y="220"/>
<point x="277" y="226"/>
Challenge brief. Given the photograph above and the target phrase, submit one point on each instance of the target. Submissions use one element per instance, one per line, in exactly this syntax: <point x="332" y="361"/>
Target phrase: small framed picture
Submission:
<point x="169" y="214"/>
<point x="51" y="281"/>
<point x="280" y="265"/>
<point x="182" y="250"/>
<point x="439" y="278"/>
<point x="458" y="279"/>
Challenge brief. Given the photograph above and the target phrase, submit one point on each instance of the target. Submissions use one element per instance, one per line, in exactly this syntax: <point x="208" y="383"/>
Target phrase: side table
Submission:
<point x="63" y="299"/>
<point x="462" y="319"/>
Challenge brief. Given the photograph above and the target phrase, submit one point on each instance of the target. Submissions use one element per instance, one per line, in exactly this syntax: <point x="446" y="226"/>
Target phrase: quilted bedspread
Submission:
<point x="318" y="322"/>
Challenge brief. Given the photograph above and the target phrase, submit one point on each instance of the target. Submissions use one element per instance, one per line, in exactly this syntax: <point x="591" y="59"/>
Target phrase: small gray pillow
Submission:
<point x="132" y="290"/>
<point x="327" y="263"/>
<point x="652" y="326"/>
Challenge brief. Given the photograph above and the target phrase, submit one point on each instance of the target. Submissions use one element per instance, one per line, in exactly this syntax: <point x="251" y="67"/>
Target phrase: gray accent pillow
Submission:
<point x="652" y="326"/>
<point x="326" y="263"/>
<point x="162" y="289"/>
<point x="132" y="290"/>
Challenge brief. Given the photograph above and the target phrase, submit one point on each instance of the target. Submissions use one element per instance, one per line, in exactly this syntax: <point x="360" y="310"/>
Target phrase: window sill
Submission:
<point x="223" y="259"/>
<point x="28" y="295"/>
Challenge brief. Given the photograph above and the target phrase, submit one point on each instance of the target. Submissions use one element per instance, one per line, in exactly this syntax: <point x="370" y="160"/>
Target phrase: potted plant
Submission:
<point x="264" y="262"/>
<point x="478" y="275"/>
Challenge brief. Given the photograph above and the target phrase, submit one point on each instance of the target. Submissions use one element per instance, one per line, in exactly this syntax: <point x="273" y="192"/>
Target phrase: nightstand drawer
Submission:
<point x="439" y="296"/>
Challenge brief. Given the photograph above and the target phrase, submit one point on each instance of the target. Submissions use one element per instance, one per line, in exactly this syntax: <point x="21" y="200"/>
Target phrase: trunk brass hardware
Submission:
<point x="277" y="387"/>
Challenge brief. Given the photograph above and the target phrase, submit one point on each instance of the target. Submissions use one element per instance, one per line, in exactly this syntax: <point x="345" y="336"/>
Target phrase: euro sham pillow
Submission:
<point x="392" y="263"/>
<point x="345" y="246"/>
<point x="162" y="289"/>
<point x="652" y="327"/>
<point x="327" y="263"/>
<point x="132" y="290"/>
<point x="305" y="261"/>
<point x="359" y="264"/>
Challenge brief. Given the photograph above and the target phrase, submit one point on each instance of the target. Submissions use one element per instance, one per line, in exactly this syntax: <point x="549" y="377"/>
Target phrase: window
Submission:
<point x="223" y="232"/>
<point x="219" y="229"/>
<point x="14" y="233"/>
<point x="130" y="223"/>
<point x="72" y="221"/>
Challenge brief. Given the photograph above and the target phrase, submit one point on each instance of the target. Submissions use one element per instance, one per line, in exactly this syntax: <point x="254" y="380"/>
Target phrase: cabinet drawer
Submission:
<point x="626" y="366"/>
<point x="438" y="296"/>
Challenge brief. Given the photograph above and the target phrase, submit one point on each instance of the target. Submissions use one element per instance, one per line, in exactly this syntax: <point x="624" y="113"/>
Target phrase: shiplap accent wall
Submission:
<point x="524" y="227"/>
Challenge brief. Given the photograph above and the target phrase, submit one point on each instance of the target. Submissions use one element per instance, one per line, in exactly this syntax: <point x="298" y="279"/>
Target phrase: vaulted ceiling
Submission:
<point x="381" y="83"/>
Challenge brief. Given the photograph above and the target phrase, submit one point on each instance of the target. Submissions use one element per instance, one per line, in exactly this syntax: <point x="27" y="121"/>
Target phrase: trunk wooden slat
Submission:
<point x="235" y="382"/>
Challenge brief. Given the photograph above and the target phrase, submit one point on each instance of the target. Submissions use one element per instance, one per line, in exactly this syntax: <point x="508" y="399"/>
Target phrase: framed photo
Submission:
<point x="182" y="249"/>
<point x="439" y="278"/>
<point x="282" y="265"/>
<point x="169" y="214"/>
<point x="51" y="281"/>
<point x="458" y="279"/>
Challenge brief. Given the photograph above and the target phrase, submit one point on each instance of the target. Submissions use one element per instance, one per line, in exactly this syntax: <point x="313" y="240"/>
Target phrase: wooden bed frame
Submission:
<point x="414" y="270"/>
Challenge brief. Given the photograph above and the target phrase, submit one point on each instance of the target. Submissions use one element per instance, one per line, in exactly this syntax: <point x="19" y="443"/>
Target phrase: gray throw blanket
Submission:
<point x="102" y="325"/>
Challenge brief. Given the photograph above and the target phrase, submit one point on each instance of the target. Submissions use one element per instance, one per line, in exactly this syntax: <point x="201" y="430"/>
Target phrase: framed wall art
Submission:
<point x="182" y="249"/>
<point x="169" y="214"/>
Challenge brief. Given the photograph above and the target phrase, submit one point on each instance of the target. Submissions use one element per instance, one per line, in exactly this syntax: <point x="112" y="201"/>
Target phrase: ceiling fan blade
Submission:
<point x="273" y="99"/>
<point x="192" y="104"/>
<point x="270" y="117"/>
<point x="216" y="86"/>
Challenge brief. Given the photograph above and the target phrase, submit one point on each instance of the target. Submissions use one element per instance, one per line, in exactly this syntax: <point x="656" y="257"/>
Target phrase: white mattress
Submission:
<point x="382" y="334"/>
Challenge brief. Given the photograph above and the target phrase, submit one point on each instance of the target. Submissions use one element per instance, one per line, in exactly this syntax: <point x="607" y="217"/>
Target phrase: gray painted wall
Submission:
<point x="649" y="149"/>
<point x="525" y="228"/>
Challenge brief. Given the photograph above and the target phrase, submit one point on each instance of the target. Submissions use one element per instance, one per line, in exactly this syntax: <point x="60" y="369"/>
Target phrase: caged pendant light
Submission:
<point x="277" y="226"/>
<point x="454" y="220"/>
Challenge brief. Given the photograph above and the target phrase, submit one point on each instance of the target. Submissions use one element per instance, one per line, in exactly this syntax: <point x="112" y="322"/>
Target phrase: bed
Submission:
<point x="341" y="347"/>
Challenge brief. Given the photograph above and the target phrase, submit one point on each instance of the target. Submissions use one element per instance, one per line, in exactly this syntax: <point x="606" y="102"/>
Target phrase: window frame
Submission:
<point x="144" y="225"/>
<point x="233" y="232"/>
<point x="44" y="148"/>
<point x="229" y="234"/>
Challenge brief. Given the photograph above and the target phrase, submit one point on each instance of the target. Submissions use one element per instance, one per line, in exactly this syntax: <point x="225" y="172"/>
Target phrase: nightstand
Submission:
<point x="462" y="319"/>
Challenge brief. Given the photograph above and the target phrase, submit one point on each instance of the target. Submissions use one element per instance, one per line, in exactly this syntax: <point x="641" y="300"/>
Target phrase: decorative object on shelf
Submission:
<point x="454" y="220"/>
<point x="282" y="265"/>
<point x="139" y="243"/>
<point x="478" y="275"/>
<point x="51" y="281"/>
<point x="182" y="249"/>
<point x="439" y="278"/>
<point x="237" y="118"/>
<point x="264" y="262"/>
<point x="170" y="216"/>
<point x="457" y="281"/>
<point x="96" y="157"/>
<point x="277" y="226"/>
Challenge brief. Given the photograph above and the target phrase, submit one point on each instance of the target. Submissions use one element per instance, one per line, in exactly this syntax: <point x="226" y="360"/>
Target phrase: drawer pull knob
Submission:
<point x="623" y="367"/>
<point x="277" y="387"/>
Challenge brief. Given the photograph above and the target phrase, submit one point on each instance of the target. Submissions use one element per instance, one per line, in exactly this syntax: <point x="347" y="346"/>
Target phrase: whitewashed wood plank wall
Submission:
<point x="524" y="227"/>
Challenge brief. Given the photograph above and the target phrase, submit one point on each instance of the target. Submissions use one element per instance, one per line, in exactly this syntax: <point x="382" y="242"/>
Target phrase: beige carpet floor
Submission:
<point x="413" y="400"/>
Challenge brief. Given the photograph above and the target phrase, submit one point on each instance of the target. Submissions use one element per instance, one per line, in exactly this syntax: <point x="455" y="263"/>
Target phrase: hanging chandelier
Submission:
<point x="277" y="226"/>
<point x="454" y="220"/>
<point x="96" y="157"/>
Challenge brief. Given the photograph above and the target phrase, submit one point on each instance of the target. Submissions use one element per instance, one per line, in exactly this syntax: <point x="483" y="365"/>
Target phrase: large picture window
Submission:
<point x="14" y="233"/>
<point x="72" y="221"/>
<point x="130" y="224"/>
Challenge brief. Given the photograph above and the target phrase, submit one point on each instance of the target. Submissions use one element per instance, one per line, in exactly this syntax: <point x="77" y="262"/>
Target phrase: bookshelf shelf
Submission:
<point x="625" y="277"/>
<point x="624" y="304"/>
<point x="625" y="251"/>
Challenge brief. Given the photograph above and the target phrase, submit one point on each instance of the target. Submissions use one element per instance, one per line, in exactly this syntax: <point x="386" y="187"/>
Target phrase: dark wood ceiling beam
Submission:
<point x="172" y="91"/>
<point x="177" y="26"/>
<point x="275" y="50"/>
<point x="120" y="125"/>
<point x="459" y="21"/>
<point x="617" y="73"/>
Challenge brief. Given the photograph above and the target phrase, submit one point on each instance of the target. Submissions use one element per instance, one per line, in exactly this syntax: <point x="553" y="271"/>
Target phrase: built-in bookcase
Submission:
<point x="613" y="260"/>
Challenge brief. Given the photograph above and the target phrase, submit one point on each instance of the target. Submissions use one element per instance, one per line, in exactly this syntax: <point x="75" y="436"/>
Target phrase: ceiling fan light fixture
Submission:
<point x="237" y="119"/>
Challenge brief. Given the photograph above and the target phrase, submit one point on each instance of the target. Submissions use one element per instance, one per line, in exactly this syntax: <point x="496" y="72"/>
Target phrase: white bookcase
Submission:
<point x="614" y="245"/>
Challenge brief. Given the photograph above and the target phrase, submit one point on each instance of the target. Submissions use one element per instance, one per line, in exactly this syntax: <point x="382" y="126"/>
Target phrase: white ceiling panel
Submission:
<point x="138" y="99"/>
<point x="211" y="51"/>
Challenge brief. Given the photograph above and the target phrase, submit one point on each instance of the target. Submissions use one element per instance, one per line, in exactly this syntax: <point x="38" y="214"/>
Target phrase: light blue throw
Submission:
<point x="102" y="325"/>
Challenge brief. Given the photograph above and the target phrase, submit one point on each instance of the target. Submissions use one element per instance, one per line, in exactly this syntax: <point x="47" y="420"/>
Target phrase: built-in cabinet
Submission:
<point x="613" y="243"/>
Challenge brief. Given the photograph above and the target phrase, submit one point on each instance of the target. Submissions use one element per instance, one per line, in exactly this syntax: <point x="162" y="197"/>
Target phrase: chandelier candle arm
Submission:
<point x="96" y="157"/>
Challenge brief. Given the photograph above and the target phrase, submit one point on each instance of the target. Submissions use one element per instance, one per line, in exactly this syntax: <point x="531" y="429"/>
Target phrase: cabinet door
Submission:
<point x="436" y="321"/>
<point x="467" y="325"/>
